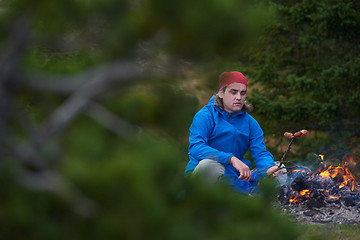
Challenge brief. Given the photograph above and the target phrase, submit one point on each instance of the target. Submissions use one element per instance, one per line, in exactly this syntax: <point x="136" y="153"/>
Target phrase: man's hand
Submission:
<point x="243" y="169"/>
<point x="273" y="170"/>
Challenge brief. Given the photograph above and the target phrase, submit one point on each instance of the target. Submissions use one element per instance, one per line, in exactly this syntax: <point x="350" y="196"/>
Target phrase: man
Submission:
<point x="220" y="135"/>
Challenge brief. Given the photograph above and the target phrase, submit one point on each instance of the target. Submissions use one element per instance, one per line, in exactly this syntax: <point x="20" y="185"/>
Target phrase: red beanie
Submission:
<point x="227" y="78"/>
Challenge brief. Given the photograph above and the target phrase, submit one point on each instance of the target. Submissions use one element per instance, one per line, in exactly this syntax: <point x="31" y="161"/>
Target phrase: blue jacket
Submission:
<point x="219" y="135"/>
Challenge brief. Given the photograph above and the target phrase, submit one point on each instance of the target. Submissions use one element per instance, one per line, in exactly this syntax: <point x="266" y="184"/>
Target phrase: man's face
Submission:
<point x="233" y="97"/>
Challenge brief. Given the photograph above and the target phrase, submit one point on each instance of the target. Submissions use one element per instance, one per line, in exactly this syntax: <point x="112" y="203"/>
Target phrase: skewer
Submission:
<point x="292" y="137"/>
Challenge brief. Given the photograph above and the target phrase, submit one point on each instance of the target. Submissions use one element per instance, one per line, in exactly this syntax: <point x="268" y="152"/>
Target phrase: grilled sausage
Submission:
<point x="304" y="132"/>
<point x="298" y="134"/>
<point x="288" y="135"/>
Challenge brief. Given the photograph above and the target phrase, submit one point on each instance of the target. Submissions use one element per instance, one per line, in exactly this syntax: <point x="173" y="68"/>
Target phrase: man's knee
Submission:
<point x="210" y="170"/>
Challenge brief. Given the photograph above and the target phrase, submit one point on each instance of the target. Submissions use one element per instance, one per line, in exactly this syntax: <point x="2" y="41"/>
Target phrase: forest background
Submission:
<point x="96" y="98"/>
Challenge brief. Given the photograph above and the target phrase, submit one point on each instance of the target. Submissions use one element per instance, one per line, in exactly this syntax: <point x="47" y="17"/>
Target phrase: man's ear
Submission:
<point x="221" y="94"/>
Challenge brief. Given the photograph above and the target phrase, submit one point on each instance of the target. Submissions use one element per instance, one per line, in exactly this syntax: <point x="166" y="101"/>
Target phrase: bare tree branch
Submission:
<point x="27" y="148"/>
<point x="36" y="174"/>
<point x="113" y="72"/>
<point x="121" y="72"/>
<point x="111" y="121"/>
<point x="53" y="183"/>
<point x="13" y="52"/>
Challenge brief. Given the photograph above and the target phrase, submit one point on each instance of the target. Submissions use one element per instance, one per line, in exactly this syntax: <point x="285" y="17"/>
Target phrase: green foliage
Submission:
<point x="332" y="231"/>
<point x="137" y="190"/>
<point x="194" y="30"/>
<point x="306" y="69"/>
<point x="59" y="62"/>
<point x="162" y="105"/>
<point x="200" y="29"/>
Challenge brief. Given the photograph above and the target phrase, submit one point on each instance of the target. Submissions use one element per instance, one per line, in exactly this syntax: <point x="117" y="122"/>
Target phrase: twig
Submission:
<point x="121" y="72"/>
<point x="287" y="151"/>
<point x="111" y="121"/>
<point x="51" y="182"/>
<point x="113" y="72"/>
<point x="284" y="156"/>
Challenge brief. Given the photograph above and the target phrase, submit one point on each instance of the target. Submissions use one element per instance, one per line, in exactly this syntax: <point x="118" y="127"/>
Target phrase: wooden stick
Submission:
<point x="287" y="151"/>
<point x="283" y="157"/>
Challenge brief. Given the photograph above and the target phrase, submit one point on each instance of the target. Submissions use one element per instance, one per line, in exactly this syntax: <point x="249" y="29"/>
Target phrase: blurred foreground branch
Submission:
<point x="24" y="140"/>
<point x="121" y="72"/>
<point x="29" y="151"/>
<point x="95" y="82"/>
<point x="111" y="121"/>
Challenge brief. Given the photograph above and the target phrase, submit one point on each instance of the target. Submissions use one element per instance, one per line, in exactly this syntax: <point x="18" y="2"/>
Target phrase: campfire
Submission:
<point x="329" y="194"/>
<point x="329" y="184"/>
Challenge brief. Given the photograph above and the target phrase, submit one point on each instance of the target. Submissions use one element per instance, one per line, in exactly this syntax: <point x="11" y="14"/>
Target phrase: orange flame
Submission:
<point x="340" y="174"/>
<point x="325" y="173"/>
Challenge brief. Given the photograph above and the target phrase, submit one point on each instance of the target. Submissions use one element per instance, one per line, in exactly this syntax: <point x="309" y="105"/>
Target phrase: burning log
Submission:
<point x="348" y="197"/>
<point x="298" y="177"/>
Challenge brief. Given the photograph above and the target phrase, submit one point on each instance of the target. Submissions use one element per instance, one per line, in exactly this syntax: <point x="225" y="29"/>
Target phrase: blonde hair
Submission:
<point x="218" y="102"/>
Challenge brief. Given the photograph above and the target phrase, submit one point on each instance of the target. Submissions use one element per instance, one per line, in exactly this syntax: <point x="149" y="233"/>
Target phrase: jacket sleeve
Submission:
<point x="200" y="132"/>
<point x="263" y="159"/>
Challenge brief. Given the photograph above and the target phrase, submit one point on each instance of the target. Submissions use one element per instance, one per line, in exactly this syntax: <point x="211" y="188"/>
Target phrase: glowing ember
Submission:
<point x="325" y="174"/>
<point x="305" y="192"/>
